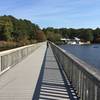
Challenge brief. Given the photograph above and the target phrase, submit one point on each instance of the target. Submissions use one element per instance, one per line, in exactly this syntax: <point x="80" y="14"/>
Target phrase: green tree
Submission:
<point x="7" y="27"/>
<point x="40" y="36"/>
<point x="89" y="35"/>
<point x="54" y="37"/>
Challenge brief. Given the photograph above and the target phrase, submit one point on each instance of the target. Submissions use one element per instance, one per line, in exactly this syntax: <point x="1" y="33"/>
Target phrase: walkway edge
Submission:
<point x="39" y="82"/>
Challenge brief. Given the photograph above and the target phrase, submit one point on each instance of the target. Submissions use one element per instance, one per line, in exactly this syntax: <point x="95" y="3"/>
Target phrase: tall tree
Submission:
<point x="40" y="36"/>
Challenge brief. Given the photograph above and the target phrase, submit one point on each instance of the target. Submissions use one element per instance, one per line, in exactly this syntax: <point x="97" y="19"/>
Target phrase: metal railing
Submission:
<point x="11" y="57"/>
<point x="84" y="78"/>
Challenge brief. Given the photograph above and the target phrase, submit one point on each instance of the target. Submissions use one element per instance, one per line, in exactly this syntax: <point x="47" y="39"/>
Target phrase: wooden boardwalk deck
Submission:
<point x="36" y="79"/>
<point x="19" y="82"/>
<point x="52" y="84"/>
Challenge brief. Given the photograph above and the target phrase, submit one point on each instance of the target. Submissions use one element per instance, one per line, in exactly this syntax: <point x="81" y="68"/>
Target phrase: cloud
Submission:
<point x="53" y="12"/>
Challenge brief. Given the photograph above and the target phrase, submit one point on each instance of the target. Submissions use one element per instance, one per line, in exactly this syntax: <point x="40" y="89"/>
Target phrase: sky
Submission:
<point x="55" y="13"/>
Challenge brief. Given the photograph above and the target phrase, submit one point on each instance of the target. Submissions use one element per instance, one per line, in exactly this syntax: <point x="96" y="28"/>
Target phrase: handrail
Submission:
<point x="84" y="78"/>
<point x="11" y="57"/>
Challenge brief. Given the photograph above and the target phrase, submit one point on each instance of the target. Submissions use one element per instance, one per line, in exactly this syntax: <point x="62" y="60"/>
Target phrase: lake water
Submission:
<point x="89" y="53"/>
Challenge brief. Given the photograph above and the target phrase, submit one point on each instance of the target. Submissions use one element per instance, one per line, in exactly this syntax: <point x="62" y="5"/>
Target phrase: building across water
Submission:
<point x="74" y="41"/>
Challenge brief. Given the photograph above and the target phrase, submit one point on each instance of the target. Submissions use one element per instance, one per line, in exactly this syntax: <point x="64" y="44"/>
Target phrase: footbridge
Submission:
<point x="35" y="72"/>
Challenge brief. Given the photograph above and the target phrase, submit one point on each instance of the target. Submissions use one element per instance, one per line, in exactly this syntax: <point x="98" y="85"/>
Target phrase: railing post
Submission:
<point x="0" y="63"/>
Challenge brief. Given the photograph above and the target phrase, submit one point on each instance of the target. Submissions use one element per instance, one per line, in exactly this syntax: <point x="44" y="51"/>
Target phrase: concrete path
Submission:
<point x="52" y="84"/>
<point x="19" y="82"/>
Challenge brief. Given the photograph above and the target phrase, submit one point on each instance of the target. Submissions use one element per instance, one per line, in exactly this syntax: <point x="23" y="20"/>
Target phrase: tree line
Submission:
<point x="55" y="34"/>
<point x="23" y="32"/>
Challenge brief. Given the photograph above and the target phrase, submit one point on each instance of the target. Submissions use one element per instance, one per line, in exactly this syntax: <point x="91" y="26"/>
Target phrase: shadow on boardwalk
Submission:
<point x="51" y="84"/>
